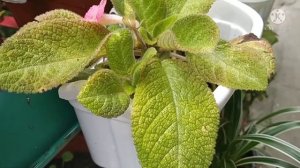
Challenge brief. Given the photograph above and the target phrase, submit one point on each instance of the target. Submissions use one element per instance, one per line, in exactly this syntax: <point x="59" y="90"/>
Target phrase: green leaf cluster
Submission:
<point x="163" y="65"/>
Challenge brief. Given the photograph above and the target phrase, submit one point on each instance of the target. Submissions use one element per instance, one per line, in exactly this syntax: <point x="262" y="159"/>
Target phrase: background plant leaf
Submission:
<point x="43" y="55"/>
<point x="285" y="111"/>
<point x="119" y="49"/>
<point x="175" y="118"/>
<point x="104" y="95"/>
<point x="265" y="160"/>
<point x="280" y="145"/>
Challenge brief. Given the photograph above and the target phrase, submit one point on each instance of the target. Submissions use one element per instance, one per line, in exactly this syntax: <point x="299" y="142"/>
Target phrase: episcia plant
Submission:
<point x="161" y="54"/>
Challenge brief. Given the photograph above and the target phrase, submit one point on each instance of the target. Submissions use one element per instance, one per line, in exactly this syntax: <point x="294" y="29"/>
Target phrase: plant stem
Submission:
<point x="139" y="38"/>
<point x="178" y="56"/>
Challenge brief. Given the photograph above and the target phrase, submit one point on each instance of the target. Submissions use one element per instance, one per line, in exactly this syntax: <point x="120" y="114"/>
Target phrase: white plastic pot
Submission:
<point x="263" y="7"/>
<point x="109" y="140"/>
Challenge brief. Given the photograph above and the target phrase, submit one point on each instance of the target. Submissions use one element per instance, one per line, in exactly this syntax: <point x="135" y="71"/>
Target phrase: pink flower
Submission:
<point x="95" y="12"/>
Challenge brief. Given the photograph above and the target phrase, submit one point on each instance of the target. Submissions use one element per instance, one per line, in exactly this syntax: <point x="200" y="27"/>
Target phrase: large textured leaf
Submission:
<point x="58" y="14"/>
<point x="104" y="95"/>
<point x="175" y="118"/>
<point x="45" y="54"/>
<point x="236" y="65"/>
<point x="120" y="51"/>
<point x="194" y="33"/>
<point x="179" y="9"/>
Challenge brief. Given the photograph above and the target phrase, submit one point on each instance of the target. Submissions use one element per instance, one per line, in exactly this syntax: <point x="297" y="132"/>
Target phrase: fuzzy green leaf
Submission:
<point x="58" y="14"/>
<point x="245" y="65"/>
<point x="148" y="12"/>
<point x="141" y="65"/>
<point x="119" y="6"/>
<point x="194" y="33"/>
<point x="104" y="95"/>
<point x="164" y="25"/>
<point x="147" y="37"/>
<point x="119" y="49"/>
<point x="178" y="9"/>
<point x="188" y="7"/>
<point x="182" y="8"/>
<point x="45" y="54"/>
<point x="175" y="118"/>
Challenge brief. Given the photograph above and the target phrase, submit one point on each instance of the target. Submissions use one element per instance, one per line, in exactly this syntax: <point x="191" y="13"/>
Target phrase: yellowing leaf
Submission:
<point x="104" y="95"/>
<point x="43" y="55"/>
<point x="194" y="33"/>
<point x="120" y="51"/>
<point x="175" y="118"/>
<point x="239" y="64"/>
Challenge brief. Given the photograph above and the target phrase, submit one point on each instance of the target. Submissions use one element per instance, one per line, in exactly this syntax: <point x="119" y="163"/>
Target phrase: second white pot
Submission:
<point x="110" y="141"/>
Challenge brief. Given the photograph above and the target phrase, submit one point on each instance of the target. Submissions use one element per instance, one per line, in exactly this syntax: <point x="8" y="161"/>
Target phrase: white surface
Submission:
<point x="263" y="7"/>
<point x="109" y="140"/>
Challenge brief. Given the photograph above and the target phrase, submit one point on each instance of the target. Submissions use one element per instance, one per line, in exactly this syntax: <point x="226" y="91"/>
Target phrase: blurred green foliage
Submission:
<point x="270" y="35"/>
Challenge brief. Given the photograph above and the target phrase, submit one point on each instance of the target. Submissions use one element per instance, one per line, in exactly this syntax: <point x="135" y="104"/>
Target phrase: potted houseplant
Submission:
<point x="160" y="56"/>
